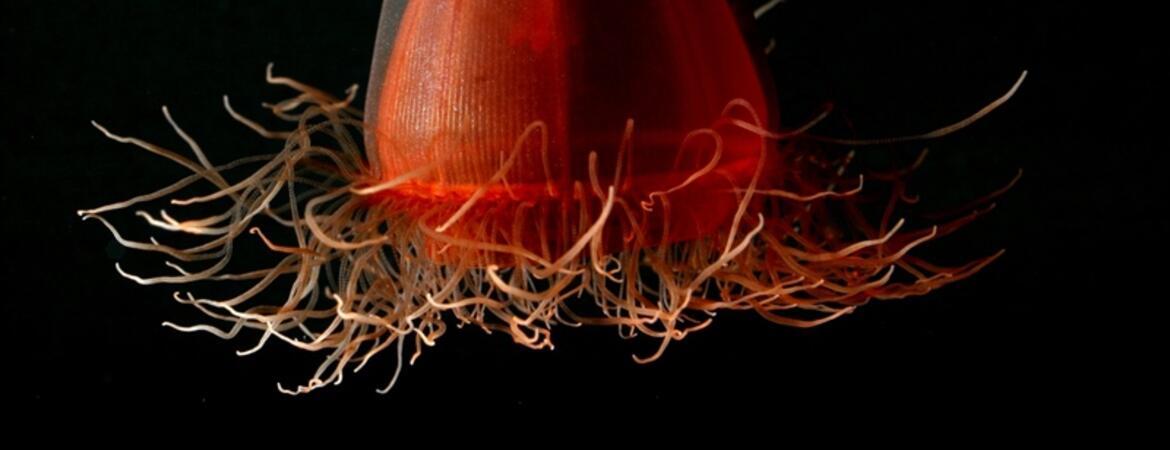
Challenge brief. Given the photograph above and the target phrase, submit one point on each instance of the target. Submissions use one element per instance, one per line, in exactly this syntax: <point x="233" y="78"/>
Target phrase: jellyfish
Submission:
<point x="527" y="166"/>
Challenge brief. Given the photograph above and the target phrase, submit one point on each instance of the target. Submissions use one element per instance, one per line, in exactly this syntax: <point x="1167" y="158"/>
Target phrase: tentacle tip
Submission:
<point x="102" y="129"/>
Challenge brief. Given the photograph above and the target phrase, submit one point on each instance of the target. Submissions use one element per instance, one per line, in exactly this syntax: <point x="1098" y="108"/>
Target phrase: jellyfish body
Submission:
<point x="465" y="80"/>
<point x="533" y="164"/>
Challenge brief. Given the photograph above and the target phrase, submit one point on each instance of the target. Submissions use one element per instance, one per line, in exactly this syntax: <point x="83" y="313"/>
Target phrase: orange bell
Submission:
<point x="465" y="79"/>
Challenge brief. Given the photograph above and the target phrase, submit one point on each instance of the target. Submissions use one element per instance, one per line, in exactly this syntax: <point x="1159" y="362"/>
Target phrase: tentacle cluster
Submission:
<point x="365" y="277"/>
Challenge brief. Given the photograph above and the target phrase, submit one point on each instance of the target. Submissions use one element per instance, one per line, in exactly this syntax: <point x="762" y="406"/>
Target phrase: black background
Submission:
<point x="1024" y="334"/>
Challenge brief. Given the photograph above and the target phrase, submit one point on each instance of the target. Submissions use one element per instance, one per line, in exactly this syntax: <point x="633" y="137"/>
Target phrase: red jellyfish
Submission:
<point x="527" y="164"/>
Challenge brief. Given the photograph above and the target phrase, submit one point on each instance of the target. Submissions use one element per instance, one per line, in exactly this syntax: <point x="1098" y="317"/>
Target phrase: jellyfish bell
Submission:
<point x="603" y="94"/>
<point x="527" y="165"/>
